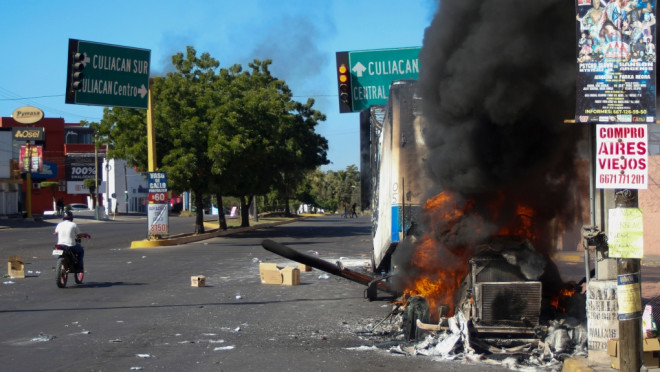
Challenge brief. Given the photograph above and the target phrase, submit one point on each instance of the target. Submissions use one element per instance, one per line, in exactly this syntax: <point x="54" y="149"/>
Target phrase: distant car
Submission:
<point x="77" y="207"/>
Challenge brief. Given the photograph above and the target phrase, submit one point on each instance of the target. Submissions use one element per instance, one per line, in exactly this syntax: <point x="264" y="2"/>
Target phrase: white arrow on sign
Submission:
<point x="358" y="69"/>
<point x="85" y="60"/>
<point x="143" y="91"/>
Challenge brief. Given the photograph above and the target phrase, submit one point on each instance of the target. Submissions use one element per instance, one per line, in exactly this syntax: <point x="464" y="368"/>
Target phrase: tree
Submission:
<point x="90" y="184"/>
<point x="53" y="186"/>
<point x="182" y="114"/>
<point x="250" y="135"/>
<point x="300" y="149"/>
<point x="225" y="132"/>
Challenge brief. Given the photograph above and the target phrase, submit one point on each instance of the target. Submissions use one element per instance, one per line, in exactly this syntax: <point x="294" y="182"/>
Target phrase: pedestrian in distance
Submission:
<point x="60" y="206"/>
<point x="354" y="212"/>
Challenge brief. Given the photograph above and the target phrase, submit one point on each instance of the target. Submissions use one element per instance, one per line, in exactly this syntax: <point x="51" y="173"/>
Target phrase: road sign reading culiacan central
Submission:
<point x="107" y="75"/>
<point x="371" y="73"/>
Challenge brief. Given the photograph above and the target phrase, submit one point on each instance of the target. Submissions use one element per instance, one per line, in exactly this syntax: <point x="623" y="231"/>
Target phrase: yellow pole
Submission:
<point x="28" y="179"/>
<point x="28" y="194"/>
<point x="151" y="136"/>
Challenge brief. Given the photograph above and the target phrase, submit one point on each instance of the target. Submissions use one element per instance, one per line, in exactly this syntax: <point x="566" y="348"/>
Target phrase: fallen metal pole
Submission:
<point x="328" y="267"/>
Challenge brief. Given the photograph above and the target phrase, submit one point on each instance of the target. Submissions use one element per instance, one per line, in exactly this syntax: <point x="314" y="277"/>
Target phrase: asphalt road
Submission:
<point x="138" y="311"/>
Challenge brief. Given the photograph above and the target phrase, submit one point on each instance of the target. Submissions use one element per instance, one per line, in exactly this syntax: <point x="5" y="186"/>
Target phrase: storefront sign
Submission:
<point x="27" y="115"/>
<point x="79" y="168"/>
<point x="28" y="134"/>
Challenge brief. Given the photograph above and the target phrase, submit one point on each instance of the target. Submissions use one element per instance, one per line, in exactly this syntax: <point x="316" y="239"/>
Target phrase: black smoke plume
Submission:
<point x="498" y="80"/>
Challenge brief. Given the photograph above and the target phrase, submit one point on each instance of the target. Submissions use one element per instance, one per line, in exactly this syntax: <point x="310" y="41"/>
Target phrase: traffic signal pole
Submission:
<point x="151" y="136"/>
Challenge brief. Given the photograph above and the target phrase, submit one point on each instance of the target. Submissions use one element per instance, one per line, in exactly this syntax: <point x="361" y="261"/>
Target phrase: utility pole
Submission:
<point x="629" y="297"/>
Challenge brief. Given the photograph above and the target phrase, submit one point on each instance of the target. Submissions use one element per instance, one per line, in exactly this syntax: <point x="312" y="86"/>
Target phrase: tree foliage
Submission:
<point x="221" y="131"/>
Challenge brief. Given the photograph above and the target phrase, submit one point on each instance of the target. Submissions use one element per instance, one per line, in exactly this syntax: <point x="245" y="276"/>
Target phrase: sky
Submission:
<point x="300" y="36"/>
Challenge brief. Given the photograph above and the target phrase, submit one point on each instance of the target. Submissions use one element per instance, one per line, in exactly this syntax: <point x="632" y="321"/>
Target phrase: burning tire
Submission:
<point x="416" y="308"/>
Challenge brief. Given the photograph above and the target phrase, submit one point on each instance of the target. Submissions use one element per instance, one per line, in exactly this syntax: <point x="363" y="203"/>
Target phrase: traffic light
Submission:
<point x="344" y="91"/>
<point x="344" y="82"/>
<point x="77" y="68"/>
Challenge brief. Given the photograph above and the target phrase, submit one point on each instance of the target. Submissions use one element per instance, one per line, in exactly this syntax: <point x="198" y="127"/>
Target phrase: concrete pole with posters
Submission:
<point x="630" y="326"/>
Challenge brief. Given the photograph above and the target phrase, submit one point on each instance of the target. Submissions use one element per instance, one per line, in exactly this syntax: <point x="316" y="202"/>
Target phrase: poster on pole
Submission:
<point x="616" y="62"/>
<point x="626" y="233"/>
<point x="157" y="207"/>
<point x="622" y="156"/>
<point x="31" y="159"/>
<point x="158" y="219"/>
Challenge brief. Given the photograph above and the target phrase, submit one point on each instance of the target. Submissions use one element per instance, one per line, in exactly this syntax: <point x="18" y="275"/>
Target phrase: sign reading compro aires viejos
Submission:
<point x="112" y="75"/>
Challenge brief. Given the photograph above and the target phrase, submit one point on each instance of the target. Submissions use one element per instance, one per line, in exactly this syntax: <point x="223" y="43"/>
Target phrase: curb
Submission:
<point x="186" y="238"/>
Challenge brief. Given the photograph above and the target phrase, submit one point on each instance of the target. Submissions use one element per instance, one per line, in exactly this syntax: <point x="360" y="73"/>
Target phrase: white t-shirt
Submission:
<point x="66" y="233"/>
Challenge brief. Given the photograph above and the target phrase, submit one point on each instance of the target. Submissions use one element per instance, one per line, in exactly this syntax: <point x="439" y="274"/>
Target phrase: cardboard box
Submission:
<point x="650" y="355"/>
<point x="613" y="352"/>
<point x="15" y="267"/>
<point x="651" y="348"/>
<point x="290" y="276"/>
<point x="303" y="268"/>
<point x="198" y="281"/>
<point x="270" y="273"/>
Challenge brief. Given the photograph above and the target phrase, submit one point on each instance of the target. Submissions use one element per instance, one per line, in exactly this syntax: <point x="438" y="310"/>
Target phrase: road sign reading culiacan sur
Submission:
<point x="371" y="73"/>
<point x="107" y="75"/>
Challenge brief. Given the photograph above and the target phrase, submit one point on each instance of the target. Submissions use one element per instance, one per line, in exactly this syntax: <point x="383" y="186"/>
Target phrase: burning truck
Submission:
<point x="442" y="255"/>
<point x="443" y="251"/>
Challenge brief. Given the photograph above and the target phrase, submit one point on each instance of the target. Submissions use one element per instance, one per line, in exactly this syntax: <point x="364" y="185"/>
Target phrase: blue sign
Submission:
<point x="157" y="182"/>
<point x="49" y="170"/>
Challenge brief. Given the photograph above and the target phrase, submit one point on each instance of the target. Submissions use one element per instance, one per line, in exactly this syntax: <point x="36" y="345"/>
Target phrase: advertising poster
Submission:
<point x="79" y="168"/>
<point x="158" y="219"/>
<point x="622" y="156"/>
<point x="616" y="61"/>
<point x="629" y="297"/>
<point x="626" y="233"/>
<point x="31" y="159"/>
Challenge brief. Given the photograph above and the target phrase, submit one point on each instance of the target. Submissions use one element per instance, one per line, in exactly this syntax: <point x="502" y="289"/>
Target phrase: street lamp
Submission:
<point x="69" y="132"/>
<point x="107" y="184"/>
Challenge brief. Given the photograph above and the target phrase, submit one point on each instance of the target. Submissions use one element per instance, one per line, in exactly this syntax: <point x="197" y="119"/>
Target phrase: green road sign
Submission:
<point x="372" y="72"/>
<point x="107" y="75"/>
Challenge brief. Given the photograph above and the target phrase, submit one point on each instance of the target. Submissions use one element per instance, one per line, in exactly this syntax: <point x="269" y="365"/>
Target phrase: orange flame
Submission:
<point x="440" y="269"/>
<point x="559" y="301"/>
<point x="437" y="279"/>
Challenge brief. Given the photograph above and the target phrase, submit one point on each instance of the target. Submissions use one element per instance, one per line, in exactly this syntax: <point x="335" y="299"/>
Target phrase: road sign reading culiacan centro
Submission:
<point x="107" y="75"/>
<point x="372" y="72"/>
